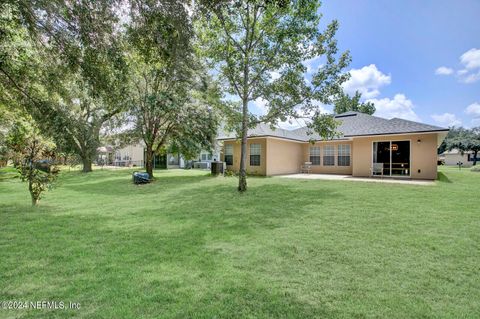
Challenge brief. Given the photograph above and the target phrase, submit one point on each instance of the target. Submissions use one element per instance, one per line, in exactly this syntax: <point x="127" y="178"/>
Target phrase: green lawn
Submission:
<point x="189" y="245"/>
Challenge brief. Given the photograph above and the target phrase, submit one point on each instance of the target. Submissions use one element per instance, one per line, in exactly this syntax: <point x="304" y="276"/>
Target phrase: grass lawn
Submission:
<point x="189" y="245"/>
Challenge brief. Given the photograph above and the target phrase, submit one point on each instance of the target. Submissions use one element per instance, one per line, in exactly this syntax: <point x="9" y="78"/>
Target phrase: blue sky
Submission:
<point x="397" y="49"/>
<point x="418" y="60"/>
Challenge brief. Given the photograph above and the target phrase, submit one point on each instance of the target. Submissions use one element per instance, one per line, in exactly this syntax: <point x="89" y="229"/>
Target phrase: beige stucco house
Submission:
<point x="406" y="149"/>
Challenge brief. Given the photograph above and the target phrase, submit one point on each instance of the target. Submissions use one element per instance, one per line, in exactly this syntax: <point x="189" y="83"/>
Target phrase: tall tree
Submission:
<point x="465" y="140"/>
<point x="77" y="81"/>
<point x="172" y="95"/>
<point x="345" y="103"/>
<point x="259" y="48"/>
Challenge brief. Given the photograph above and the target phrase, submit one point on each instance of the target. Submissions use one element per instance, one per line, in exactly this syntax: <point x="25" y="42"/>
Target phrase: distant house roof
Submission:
<point x="455" y="152"/>
<point x="352" y="124"/>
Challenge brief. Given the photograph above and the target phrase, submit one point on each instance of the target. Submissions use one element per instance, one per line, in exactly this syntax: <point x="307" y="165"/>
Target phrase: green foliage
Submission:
<point x="345" y="103"/>
<point x="173" y="99"/>
<point x="33" y="156"/>
<point x="465" y="140"/>
<point x="324" y="124"/>
<point x="247" y="42"/>
<point x="64" y="64"/>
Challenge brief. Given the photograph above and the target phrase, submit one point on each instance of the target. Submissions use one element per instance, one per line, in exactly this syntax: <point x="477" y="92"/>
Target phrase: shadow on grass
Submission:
<point x="222" y="208"/>
<point x="121" y="184"/>
<point x="7" y="173"/>
<point x="441" y="177"/>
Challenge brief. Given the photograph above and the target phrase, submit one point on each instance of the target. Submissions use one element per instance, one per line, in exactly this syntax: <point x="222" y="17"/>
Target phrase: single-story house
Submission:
<point x="404" y="149"/>
<point x="133" y="155"/>
<point x="454" y="156"/>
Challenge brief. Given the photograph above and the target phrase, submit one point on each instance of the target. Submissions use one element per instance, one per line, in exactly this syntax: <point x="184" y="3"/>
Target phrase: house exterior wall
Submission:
<point x="283" y="156"/>
<point x="134" y="152"/>
<point x="322" y="169"/>
<point x="423" y="155"/>
<point x="254" y="170"/>
<point x="453" y="159"/>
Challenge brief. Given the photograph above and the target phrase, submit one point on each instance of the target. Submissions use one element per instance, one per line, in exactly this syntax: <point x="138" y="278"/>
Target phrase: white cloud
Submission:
<point x="471" y="66"/>
<point x="313" y="64"/>
<point x="446" y="119"/>
<point x="261" y="105"/>
<point x="470" y="77"/>
<point x="443" y="70"/>
<point x="473" y="110"/>
<point x="292" y="123"/>
<point x="367" y="80"/>
<point x="475" y="122"/>
<point x="470" y="71"/>
<point x="471" y="59"/>
<point x="399" y="106"/>
<point x="274" y="75"/>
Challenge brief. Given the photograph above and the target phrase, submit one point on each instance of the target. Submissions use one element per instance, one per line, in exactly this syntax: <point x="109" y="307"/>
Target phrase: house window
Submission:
<point x="328" y="155"/>
<point x="315" y="155"/>
<point x="343" y="155"/>
<point x="255" y="150"/>
<point x="229" y="154"/>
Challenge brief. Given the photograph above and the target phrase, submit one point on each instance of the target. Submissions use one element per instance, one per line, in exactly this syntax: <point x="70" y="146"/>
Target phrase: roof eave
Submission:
<point x="399" y="133"/>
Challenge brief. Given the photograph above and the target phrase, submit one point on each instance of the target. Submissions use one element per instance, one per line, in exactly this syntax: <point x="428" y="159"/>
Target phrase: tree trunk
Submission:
<point x="242" y="179"/>
<point x="475" y="158"/>
<point x="30" y="189"/>
<point x="87" y="164"/>
<point x="149" y="160"/>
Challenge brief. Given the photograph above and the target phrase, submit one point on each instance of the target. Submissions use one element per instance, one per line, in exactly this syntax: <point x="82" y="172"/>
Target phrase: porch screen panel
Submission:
<point x="381" y="154"/>
<point x="400" y="158"/>
<point x="328" y="155"/>
<point x="315" y="155"/>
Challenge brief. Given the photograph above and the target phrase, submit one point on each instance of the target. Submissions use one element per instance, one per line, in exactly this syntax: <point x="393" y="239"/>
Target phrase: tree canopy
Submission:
<point x="258" y="50"/>
<point x="346" y="103"/>
<point x="464" y="140"/>
<point x="171" y="94"/>
<point x="64" y="65"/>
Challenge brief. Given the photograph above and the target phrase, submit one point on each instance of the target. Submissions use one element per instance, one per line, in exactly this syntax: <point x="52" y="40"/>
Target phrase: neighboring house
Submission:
<point x="405" y="148"/>
<point x="206" y="157"/>
<point x="133" y="155"/>
<point x="454" y="156"/>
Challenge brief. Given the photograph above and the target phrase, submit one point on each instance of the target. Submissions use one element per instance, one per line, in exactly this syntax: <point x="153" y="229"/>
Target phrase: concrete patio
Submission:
<point x="335" y="177"/>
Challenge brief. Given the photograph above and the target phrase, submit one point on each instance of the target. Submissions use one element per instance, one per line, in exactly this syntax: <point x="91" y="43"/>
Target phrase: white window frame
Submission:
<point x="343" y="151"/>
<point x="229" y="152"/>
<point x="315" y="152"/>
<point x="328" y="151"/>
<point x="255" y="150"/>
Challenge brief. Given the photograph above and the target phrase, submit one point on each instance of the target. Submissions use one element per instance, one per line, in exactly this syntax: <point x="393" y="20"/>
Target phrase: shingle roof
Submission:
<point x="352" y="124"/>
<point x="265" y="130"/>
